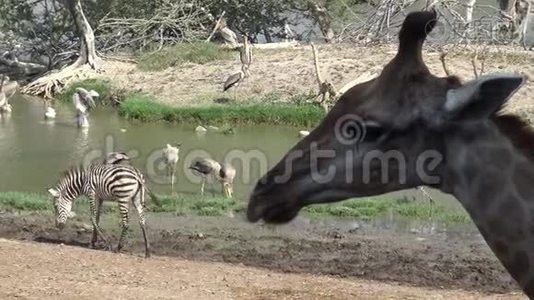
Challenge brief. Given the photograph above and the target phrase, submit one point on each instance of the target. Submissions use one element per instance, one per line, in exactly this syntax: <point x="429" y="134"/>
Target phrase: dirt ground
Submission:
<point x="31" y="270"/>
<point x="225" y="257"/>
<point x="289" y="72"/>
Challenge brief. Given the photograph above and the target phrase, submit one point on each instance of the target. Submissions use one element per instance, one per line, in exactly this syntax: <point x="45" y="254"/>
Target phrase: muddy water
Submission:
<point x="33" y="152"/>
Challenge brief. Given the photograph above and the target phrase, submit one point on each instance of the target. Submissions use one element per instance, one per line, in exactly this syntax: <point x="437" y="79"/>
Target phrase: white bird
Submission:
<point x="226" y="177"/>
<point x="206" y="167"/>
<point x="5" y="107"/>
<point x="171" y="156"/>
<point x="83" y="102"/>
<point x="8" y="87"/>
<point x="3" y="99"/>
<point x="50" y="113"/>
<point x="304" y="133"/>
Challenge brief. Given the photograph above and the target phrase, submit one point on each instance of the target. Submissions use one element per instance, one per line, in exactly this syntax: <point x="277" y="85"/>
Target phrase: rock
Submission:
<point x="303" y="133"/>
<point x="214" y="128"/>
<point x="197" y="236"/>
<point x="123" y="130"/>
<point x="201" y="129"/>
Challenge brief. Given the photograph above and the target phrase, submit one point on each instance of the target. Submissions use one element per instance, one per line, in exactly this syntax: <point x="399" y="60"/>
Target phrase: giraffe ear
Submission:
<point x="482" y="97"/>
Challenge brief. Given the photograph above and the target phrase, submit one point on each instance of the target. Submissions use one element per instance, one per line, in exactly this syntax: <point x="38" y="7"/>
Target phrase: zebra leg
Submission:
<point x="95" y="234"/>
<point x="202" y="186"/>
<point x="137" y="202"/>
<point x="123" y="210"/>
<point x="96" y="227"/>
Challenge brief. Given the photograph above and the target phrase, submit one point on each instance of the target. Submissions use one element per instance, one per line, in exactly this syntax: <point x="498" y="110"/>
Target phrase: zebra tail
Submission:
<point x="153" y="196"/>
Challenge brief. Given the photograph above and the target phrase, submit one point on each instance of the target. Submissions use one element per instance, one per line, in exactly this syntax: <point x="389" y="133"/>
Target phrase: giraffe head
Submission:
<point x="390" y="133"/>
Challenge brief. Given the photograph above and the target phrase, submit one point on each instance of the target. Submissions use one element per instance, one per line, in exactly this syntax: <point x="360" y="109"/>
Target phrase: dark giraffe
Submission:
<point x="410" y="128"/>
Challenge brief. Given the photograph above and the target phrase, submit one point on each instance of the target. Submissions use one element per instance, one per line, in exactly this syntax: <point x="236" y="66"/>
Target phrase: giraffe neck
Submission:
<point x="494" y="181"/>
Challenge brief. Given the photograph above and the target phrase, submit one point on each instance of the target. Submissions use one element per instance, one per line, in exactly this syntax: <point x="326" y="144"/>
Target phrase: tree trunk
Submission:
<point x="516" y="14"/>
<point x="53" y="82"/>
<point x="508" y="8"/>
<point x="322" y="18"/>
<point x="469" y="8"/>
<point x="87" y="37"/>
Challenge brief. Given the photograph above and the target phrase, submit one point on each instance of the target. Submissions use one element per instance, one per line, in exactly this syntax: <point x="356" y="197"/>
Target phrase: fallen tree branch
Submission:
<point x="22" y="68"/>
<point x="216" y="28"/>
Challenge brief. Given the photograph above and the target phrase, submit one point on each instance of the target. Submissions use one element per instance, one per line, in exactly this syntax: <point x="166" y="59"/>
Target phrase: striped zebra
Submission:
<point x="102" y="182"/>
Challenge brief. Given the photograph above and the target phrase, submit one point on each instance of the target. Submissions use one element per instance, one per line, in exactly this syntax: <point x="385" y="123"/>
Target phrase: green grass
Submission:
<point x="197" y="205"/>
<point x="103" y="87"/>
<point x="10" y="201"/>
<point x="199" y="53"/>
<point x="186" y="204"/>
<point x="371" y="208"/>
<point x="143" y="108"/>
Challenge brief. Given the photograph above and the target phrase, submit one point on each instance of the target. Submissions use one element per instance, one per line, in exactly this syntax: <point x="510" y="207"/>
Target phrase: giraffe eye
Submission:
<point x="373" y="131"/>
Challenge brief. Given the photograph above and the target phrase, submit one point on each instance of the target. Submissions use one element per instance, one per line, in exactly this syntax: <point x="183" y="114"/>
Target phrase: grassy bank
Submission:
<point x="367" y="209"/>
<point x="103" y="87"/>
<point x="258" y="110"/>
<point x="198" y="53"/>
<point x="186" y="204"/>
<point x="138" y="107"/>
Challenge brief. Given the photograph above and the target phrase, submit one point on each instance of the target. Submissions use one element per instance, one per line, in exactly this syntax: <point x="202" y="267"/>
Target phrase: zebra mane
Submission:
<point x="67" y="174"/>
<point x="70" y="170"/>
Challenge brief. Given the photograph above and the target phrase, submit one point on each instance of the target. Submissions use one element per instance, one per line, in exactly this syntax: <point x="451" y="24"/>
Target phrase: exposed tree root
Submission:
<point x="55" y="81"/>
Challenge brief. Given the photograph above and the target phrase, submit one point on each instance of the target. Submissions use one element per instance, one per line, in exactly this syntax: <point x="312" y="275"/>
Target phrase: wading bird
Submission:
<point x="83" y="101"/>
<point x="235" y="80"/>
<point x="226" y="177"/>
<point x="245" y="55"/>
<point x="9" y="87"/>
<point x="227" y="34"/>
<point x="206" y="167"/>
<point x="171" y="156"/>
<point x="50" y="112"/>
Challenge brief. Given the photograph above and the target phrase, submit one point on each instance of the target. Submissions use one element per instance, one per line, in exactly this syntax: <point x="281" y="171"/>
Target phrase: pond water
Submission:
<point x="34" y="152"/>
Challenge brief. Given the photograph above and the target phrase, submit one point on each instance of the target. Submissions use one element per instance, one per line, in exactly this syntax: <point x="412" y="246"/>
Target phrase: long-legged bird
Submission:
<point x="206" y="167"/>
<point x="171" y="156"/>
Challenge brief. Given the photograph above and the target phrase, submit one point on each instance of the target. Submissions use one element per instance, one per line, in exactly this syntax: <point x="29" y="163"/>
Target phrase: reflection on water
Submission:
<point x="34" y="152"/>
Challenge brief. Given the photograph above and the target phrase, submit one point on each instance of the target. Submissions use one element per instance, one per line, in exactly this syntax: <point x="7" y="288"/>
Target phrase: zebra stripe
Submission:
<point x="102" y="182"/>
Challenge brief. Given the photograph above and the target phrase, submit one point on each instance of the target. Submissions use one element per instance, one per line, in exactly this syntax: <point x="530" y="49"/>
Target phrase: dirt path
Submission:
<point x="288" y="72"/>
<point x="434" y="261"/>
<point x="31" y="270"/>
